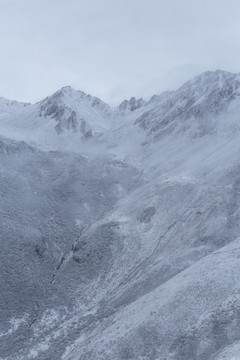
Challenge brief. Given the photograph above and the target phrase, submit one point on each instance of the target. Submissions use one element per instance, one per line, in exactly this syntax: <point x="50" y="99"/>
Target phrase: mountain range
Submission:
<point x="120" y="225"/>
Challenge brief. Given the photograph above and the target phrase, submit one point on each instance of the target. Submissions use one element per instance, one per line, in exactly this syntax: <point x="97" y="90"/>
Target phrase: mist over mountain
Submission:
<point x="120" y="226"/>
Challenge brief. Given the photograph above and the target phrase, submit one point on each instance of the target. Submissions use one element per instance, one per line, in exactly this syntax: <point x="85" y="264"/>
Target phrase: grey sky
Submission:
<point x="113" y="49"/>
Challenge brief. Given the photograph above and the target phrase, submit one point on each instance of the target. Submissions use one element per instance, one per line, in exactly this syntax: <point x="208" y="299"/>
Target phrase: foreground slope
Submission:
<point x="132" y="253"/>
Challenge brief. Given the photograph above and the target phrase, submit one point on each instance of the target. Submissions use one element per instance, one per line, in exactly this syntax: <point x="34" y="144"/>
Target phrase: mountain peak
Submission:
<point x="66" y="90"/>
<point x="209" y="80"/>
<point x="204" y="97"/>
<point x="67" y="87"/>
<point x="75" y="110"/>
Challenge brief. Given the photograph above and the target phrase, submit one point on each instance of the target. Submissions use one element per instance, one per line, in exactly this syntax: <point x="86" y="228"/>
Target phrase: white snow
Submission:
<point x="162" y="278"/>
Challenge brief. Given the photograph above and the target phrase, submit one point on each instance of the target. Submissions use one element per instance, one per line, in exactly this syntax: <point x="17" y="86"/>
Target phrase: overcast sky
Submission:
<point x="113" y="49"/>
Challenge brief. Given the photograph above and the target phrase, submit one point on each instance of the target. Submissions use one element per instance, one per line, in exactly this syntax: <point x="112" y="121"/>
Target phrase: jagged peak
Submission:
<point x="132" y="104"/>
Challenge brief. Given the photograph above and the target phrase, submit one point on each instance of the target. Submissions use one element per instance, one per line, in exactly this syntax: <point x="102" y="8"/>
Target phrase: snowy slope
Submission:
<point x="75" y="110"/>
<point x="200" y="99"/>
<point x="46" y="123"/>
<point x="132" y="250"/>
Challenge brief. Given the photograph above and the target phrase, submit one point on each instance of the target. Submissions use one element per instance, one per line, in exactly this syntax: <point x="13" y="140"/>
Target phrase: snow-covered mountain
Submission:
<point x="76" y="111"/>
<point x="200" y="99"/>
<point x="120" y="226"/>
<point x="67" y="110"/>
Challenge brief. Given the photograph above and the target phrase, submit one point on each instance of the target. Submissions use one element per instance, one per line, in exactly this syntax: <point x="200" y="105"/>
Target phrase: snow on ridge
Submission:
<point x="120" y="261"/>
<point x="200" y="99"/>
<point x="77" y="116"/>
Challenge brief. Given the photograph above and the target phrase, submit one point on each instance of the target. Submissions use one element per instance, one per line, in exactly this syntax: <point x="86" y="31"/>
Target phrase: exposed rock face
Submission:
<point x="132" y="104"/>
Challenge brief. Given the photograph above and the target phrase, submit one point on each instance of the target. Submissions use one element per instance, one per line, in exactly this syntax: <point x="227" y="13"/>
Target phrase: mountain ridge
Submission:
<point x="69" y="88"/>
<point x="123" y="244"/>
<point x="69" y="110"/>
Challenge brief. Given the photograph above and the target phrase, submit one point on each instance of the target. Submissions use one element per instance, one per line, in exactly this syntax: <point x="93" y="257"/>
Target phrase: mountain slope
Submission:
<point x="127" y="246"/>
<point x="66" y="106"/>
<point x="47" y="122"/>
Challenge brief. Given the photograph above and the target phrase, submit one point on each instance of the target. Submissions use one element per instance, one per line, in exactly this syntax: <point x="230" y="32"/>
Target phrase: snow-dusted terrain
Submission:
<point x="120" y="227"/>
